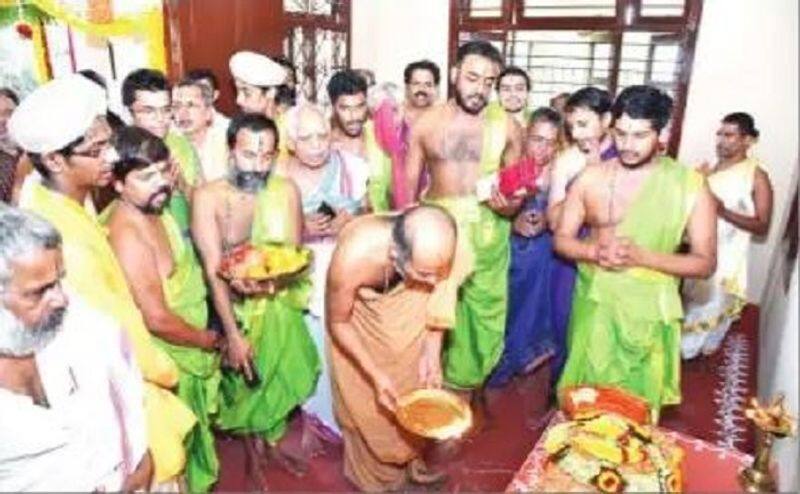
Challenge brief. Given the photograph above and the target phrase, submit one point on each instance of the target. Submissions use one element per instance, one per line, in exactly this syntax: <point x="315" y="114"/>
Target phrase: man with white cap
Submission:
<point x="257" y="78"/>
<point x="62" y="127"/>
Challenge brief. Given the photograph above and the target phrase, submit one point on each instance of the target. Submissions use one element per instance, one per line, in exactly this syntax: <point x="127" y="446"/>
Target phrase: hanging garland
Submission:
<point x="26" y="14"/>
<point x="147" y="25"/>
<point x="28" y="21"/>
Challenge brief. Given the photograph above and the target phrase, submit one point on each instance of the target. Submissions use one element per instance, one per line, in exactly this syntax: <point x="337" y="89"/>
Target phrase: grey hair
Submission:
<point x="293" y="118"/>
<point x="22" y="232"/>
<point x="401" y="239"/>
<point x="381" y="92"/>
<point x="206" y="92"/>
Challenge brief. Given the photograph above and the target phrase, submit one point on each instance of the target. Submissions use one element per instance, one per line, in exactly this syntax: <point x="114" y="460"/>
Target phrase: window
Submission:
<point x="317" y="41"/>
<point x="568" y="44"/>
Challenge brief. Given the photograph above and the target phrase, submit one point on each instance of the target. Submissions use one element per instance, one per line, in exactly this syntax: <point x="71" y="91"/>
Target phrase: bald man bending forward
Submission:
<point x="386" y="306"/>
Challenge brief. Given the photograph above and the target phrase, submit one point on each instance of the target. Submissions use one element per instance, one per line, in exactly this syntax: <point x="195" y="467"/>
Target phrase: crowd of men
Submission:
<point x="456" y="244"/>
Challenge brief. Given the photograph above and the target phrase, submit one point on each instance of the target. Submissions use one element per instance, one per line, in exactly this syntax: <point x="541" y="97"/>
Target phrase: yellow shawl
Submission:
<point x="95" y="274"/>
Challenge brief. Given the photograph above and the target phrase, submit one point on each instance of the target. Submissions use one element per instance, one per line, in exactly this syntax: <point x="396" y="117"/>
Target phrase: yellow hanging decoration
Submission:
<point x="41" y="67"/>
<point x="148" y="24"/>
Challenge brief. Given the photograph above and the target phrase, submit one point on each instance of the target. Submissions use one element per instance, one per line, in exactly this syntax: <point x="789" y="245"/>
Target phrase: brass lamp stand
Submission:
<point x="772" y="421"/>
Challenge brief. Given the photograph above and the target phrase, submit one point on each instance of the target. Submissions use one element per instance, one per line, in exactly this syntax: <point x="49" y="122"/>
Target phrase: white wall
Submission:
<point x="389" y="34"/>
<point x="778" y="361"/>
<point x="746" y="59"/>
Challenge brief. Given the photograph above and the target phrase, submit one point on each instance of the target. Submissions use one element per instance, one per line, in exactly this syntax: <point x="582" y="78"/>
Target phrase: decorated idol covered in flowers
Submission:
<point x="608" y="445"/>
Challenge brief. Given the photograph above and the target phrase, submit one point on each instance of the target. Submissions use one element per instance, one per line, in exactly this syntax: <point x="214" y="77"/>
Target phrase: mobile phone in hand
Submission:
<point x="255" y="379"/>
<point x="326" y="209"/>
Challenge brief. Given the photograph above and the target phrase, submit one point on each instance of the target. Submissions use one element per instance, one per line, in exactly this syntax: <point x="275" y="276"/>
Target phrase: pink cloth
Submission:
<point x="392" y="136"/>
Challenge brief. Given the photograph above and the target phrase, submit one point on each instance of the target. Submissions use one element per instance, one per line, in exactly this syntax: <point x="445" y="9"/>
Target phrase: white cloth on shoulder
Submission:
<point x="92" y="434"/>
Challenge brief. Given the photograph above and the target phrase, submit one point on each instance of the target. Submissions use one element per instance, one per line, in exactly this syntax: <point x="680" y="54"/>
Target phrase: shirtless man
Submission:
<point x="449" y="140"/>
<point x="269" y="343"/>
<point x="167" y="284"/>
<point x="513" y="86"/>
<point x="625" y="323"/>
<point x="387" y="303"/>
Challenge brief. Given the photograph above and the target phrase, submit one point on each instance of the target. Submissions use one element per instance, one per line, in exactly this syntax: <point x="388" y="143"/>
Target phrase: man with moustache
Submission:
<point x="68" y="149"/>
<point x="743" y="193"/>
<point x="626" y="313"/>
<point x="146" y="95"/>
<point x="58" y="356"/>
<point x="207" y="78"/>
<point x="422" y="88"/>
<point x="323" y="179"/>
<point x="513" y="86"/>
<point x="458" y="143"/>
<point x="167" y="283"/>
<point x="353" y="136"/>
<point x="390" y="297"/>
<point x="529" y="338"/>
<point x="193" y="114"/>
<point x="421" y="92"/>
<point x="267" y="339"/>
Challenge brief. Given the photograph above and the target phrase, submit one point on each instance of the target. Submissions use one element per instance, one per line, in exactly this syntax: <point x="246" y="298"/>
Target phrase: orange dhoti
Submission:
<point x="392" y="327"/>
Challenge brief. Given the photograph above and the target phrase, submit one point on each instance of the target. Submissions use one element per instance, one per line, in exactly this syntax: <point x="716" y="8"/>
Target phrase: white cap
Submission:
<point x="256" y="69"/>
<point x="56" y="114"/>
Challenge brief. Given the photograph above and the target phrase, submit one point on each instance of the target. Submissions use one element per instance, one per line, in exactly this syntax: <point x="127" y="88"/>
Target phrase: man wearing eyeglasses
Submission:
<point x="146" y="94"/>
<point x="62" y="127"/>
<point x="193" y="114"/>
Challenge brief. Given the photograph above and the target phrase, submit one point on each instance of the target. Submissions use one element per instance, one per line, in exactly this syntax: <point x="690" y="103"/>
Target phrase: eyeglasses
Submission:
<point x="94" y="151"/>
<point x="542" y="140"/>
<point x="186" y="106"/>
<point x="152" y="111"/>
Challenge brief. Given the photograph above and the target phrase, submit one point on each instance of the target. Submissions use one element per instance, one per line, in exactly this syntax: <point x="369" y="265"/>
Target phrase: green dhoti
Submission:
<point x="199" y="374"/>
<point x="285" y="356"/>
<point x="474" y="346"/>
<point x="625" y="325"/>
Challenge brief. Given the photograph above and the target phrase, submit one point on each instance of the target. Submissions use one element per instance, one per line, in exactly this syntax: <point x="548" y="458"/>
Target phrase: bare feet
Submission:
<point x="291" y="461"/>
<point x="254" y="466"/>
<point x="315" y="436"/>
<point x="311" y="444"/>
<point x="480" y="412"/>
<point x="420" y="474"/>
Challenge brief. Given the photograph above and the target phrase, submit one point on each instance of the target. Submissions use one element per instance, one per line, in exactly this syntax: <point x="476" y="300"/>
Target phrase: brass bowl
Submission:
<point x="434" y="413"/>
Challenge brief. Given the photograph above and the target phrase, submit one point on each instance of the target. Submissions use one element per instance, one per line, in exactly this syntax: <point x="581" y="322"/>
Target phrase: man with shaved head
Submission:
<point x="391" y="292"/>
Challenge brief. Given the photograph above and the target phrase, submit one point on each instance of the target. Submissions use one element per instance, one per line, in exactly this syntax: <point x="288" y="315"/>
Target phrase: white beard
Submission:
<point x="18" y="340"/>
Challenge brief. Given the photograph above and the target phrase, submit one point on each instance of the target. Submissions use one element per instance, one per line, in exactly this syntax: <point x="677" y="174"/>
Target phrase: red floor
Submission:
<point x="519" y="413"/>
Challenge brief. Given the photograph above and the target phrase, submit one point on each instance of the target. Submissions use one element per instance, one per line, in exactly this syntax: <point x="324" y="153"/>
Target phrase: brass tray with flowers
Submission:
<point x="606" y="445"/>
<point x="434" y="413"/>
<point x="279" y="263"/>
